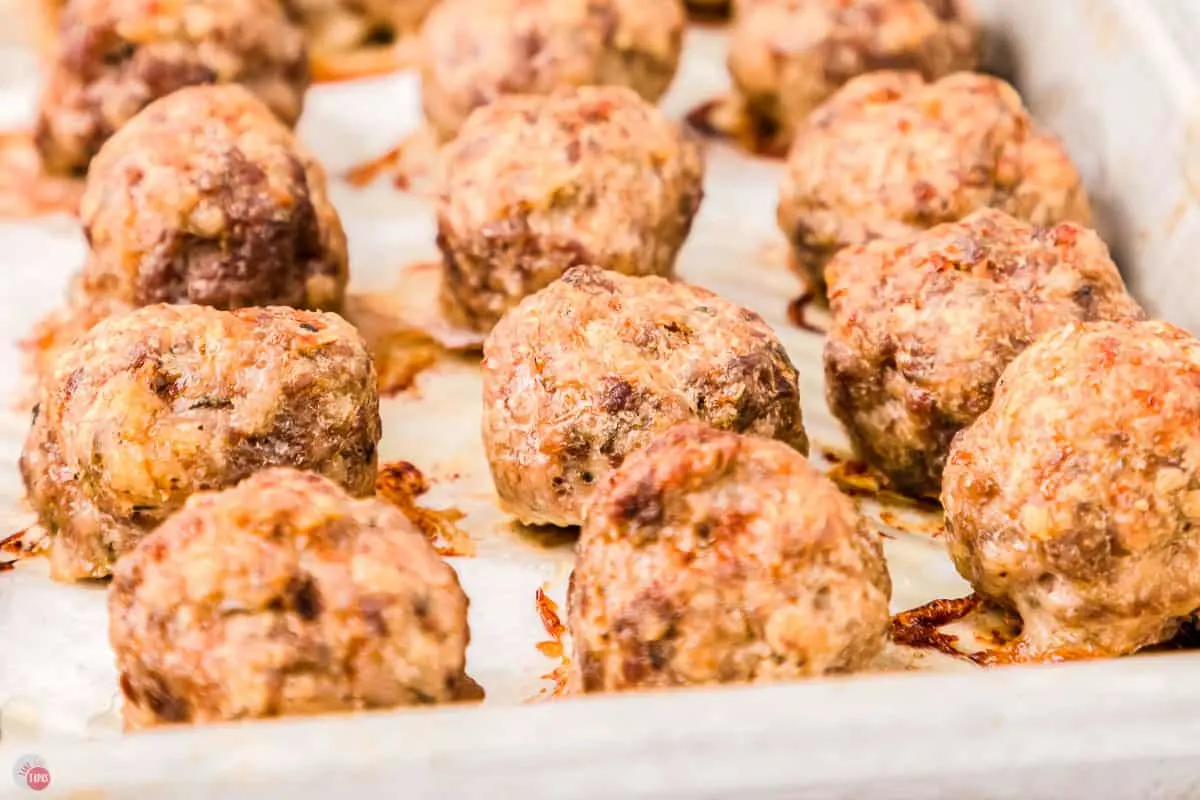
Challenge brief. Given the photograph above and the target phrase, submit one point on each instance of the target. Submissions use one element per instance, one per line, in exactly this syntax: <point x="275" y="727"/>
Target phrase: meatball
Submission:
<point x="149" y="407"/>
<point x="205" y="197"/>
<point x="589" y="369"/>
<point x="890" y="154"/>
<point x="787" y="57"/>
<point x="284" y="595"/>
<point x="535" y="185"/>
<point x="923" y="327"/>
<point x="114" y="57"/>
<point x="1075" y="498"/>
<point x="713" y="557"/>
<point x="336" y="26"/>
<point x="478" y="50"/>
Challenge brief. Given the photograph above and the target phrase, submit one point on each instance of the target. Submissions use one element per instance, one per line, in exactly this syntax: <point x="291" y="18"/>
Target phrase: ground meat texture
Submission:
<point x="538" y="184"/>
<point x="338" y="26"/>
<point x="890" y="154"/>
<point x="588" y="370"/>
<point x="284" y="595"/>
<point x="150" y="407"/>
<point x="712" y="557"/>
<point x="478" y="50"/>
<point x="1075" y="498"/>
<point x="787" y="57"/>
<point x="114" y="57"/>
<point x="204" y="197"/>
<point x="923" y="327"/>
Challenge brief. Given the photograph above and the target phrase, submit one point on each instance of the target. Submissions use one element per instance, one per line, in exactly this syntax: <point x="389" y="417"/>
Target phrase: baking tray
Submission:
<point x="1115" y="78"/>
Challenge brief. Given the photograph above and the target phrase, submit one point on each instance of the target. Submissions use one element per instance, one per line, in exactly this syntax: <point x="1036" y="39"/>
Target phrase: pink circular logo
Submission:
<point x="31" y="772"/>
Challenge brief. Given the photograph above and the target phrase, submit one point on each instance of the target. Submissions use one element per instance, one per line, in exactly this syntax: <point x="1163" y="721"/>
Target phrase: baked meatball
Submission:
<point x="535" y="185"/>
<point x="478" y="50"/>
<point x="149" y="407"/>
<point x="890" y="154"/>
<point x="922" y="328"/>
<point x="712" y="557"/>
<point x="787" y="57"/>
<point x="586" y="371"/>
<point x="338" y="26"/>
<point x="116" y="56"/>
<point x="284" y="595"/>
<point x="205" y="197"/>
<point x="1075" y="498"/>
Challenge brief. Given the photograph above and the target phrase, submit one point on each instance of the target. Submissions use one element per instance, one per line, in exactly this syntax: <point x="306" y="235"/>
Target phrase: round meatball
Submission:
<point x="711" y="557"/>
<point x="284" y="595"/>
<point x="535" y="185"/>
<point x="787" y="57"/>
<point x="890" y="154"/>
<point x="478" y="50"/>
<point x="149" y="407"/>
<point x="114" y="57"/>
<point x="589" y="369"/>
<point x="923" y="327"/>
<point x="204" y="197"/>
<point x="1075" y="498"/>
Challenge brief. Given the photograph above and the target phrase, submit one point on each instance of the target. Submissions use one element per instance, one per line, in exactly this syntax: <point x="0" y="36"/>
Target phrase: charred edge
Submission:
<point x="918" y="627"/>
<point x="798" y="308"/>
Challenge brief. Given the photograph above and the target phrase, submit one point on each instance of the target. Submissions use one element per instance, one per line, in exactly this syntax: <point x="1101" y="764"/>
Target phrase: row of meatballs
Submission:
<point x="786" y="57"/>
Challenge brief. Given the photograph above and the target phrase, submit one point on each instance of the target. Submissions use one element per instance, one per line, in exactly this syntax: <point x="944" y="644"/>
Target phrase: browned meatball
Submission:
<point x="284" y="595"/>
<point x="336" y="26"/>
<point x="151" y="406"/>
<point x="922" y="328"/>
<point x="535" y="185"/>
<point x="478" y="50"/>
<point x="1075" y="498"/>
<point x="114" y="57"/>
<point x="205" y="197"/>
<point x="890" y="154"/>
<point x="787" y="57"/>
<point x="586" y="371"/>
<point x="712" y="557"/>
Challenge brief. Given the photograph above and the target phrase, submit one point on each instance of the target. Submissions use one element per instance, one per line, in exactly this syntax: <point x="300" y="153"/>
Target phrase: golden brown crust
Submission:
<point x="113" y="57"/>
<point x="343" y="26"/>
<point x="1075" y="498"/>
<point x="589" y="369"/>
<point x="890" y="154"/>
<point x="284" y="595"/>
<point x="478" y="50"/>
<point x="535" y="185"/>
<point x="710" y="557"/>
<point x="923" y="327"/>
<point x="205" y="197"/>
<point x="787" y="57"/>
<point x="151" y="406"/>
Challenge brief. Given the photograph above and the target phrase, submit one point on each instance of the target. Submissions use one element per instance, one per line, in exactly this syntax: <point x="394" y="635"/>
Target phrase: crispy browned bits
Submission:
<point x="535" y="185"/>
<point x="890" y="154"/>
<point x="710" y="557"/>
<point x="589" y="369"/>
<point x="787" y="57"/>
<point x="152" y="406"/>
<point x="923" y="327"/>
<point x="284" y="595"/>
<point x="114" y="57"/>
<point x="479" y="50"/>
<point x="205" y="197"/>
<point x="341" y="26"/>
<point x="1075" y="498"/>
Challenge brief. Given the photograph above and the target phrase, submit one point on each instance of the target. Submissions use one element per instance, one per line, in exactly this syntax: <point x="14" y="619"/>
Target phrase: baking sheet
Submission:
<point x="56" y="676"/>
